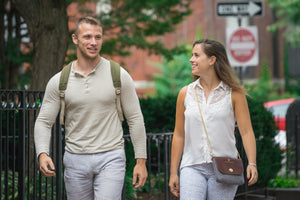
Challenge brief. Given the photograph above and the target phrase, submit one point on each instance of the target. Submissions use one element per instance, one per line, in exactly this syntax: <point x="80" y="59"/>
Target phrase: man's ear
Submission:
<point x="75" y="39"/>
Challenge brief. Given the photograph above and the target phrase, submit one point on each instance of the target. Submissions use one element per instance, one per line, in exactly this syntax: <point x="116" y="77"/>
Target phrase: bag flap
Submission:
<point x="228" y="165"/>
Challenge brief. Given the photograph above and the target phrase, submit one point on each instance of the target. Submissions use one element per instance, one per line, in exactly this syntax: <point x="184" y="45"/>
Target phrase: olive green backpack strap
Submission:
<point x="116" y="77"/>
<point x="63" y="82"/>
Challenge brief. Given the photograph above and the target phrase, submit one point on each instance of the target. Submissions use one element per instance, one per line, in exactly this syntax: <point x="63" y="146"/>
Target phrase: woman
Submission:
<point x="222" y="101"/>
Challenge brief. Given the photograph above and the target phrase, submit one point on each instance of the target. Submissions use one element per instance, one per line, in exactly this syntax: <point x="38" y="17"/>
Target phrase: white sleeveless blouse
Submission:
<point x="219" y="119"/>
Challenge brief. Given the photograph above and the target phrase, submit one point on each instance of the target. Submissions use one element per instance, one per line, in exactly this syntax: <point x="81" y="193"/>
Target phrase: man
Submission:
<point x="94" y="159"/>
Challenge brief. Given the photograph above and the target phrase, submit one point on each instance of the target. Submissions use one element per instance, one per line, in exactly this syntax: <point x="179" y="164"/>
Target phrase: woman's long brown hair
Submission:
<point x="222" y="66"/>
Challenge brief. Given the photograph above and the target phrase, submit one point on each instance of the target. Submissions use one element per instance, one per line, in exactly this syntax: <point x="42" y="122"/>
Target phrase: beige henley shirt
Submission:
<point x="91" y="119"/>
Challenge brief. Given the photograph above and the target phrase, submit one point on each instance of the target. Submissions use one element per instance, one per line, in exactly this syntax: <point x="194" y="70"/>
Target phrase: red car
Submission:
<point x="279" y="109"/>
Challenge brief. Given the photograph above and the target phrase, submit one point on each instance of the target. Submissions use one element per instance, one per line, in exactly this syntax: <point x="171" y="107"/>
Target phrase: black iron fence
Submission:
<point x="20" y="177"/>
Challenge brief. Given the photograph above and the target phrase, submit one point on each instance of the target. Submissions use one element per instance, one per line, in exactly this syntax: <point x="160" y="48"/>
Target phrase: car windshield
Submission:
<point x="279" y="110"/>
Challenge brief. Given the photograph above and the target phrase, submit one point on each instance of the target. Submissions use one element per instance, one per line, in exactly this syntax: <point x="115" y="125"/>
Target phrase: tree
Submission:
<point x="288" y="19"/>
<point x="175" y="74"/>
<point x="47" y="23"/>
<point x="264" y="90"/>
<point x="288" y="14"/>
<point x="131" y="23"/>
<point x="11" y="36"/>
<point x="126" y="23"/>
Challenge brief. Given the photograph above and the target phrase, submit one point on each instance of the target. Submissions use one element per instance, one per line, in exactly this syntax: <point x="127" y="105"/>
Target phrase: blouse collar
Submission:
<point x="221" y="85"/>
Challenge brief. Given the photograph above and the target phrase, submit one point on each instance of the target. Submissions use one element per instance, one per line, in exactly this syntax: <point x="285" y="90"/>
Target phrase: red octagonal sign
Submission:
<point x="242" y="45"/>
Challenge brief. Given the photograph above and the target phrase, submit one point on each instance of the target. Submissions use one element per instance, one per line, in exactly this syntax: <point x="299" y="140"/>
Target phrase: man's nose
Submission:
<point x="93" y="40"/>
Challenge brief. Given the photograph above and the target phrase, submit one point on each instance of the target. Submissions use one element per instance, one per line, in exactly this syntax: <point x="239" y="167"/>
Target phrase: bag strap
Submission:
<point x="211" y="152"/>
<point x="116" y="77"/>
<point x="63" y="83"/>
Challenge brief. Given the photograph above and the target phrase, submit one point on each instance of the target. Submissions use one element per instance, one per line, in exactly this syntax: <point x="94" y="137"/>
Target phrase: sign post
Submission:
<point x="242" y="46"/>
<point x="250" y="9"/>
<point x="242" y="43"/>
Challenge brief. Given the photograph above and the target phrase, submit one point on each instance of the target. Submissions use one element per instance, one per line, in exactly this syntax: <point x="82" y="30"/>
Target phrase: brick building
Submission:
<point x="204" y="18"/>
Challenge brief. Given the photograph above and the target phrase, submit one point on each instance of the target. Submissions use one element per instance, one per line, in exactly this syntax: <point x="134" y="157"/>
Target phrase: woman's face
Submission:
<point x="199" y="60"/>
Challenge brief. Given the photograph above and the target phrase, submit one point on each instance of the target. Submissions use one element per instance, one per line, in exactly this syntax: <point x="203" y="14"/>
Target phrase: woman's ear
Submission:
<point x="212" y="60"/>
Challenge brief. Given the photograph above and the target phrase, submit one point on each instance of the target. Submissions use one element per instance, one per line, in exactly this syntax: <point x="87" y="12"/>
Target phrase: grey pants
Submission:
<point x="95" y="176"/>
<point x="198" y="182"/>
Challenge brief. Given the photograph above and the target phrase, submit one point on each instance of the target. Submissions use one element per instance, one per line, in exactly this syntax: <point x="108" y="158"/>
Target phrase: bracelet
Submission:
<point x="253" y="164"/>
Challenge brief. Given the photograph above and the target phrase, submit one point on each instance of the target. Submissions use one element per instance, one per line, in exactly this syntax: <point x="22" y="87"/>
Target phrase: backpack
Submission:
<point x="63" y="82"/>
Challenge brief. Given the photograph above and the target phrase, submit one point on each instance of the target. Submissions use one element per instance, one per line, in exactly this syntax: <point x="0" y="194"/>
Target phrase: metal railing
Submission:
<point x="21" y="178"/>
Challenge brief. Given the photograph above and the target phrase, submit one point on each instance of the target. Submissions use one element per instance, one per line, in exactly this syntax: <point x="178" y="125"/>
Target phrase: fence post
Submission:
<point x="149" y="164"/>
<point x="166" y="166"/>
<point x="22" y="142"/>
<point x="1" y="147"/>
<point x="297" y="144"/>
<point x="59" y="146"/>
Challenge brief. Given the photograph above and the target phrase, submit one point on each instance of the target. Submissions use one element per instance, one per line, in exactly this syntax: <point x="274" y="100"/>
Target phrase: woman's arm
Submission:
<point x="177" y="142"/>
<point x="242" y="115"/>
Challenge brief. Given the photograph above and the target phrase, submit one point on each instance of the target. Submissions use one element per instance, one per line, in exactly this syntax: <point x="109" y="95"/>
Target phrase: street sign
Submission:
<point x="242" y="46"/>
<point x="251" y="8"/>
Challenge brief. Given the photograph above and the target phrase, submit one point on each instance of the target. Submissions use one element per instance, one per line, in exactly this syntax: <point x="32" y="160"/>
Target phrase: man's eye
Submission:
<point x="87" y="37"/>
<point x="98" y="37"/>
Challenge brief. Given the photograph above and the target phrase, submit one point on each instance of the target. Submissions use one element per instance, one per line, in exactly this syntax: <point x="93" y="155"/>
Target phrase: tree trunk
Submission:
<point x="47" y="23"/>
<point x="2" y="45"/>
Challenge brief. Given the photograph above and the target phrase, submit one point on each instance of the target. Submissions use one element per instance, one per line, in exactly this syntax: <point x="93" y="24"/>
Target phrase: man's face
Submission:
<point x="88" y="40"/>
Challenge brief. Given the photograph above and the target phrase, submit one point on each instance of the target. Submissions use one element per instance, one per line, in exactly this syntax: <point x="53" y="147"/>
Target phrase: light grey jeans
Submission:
<point x="198" y="182"/>
<point x="94" y="176"/>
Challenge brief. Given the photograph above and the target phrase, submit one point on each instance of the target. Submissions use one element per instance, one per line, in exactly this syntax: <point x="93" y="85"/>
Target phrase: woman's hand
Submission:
<point x="174" y="185"/>
<point x="252" y="174"/>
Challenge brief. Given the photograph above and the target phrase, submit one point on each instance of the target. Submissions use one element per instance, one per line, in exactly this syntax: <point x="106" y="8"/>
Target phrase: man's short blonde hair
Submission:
<point x="89" y="20"/>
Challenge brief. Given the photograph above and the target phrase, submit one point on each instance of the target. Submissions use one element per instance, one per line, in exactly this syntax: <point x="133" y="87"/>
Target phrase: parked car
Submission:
<point x="279" y="109"/>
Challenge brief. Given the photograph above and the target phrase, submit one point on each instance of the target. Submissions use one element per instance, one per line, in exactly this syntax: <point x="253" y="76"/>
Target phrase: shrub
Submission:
<point x="269" y="155"/>
<point x="284" y="182"/>
<point x="159" y="116"/>
<point x="265" y="90"/>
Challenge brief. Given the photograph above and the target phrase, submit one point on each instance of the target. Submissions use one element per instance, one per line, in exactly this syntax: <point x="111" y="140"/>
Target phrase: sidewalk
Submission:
<point x="256" y="197"/>
<point x="274" y="194"/>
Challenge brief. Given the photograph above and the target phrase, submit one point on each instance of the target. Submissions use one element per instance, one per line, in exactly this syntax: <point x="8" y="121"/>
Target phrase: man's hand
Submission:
<point x="46" y="165"/>
<point x="139" y="173"/>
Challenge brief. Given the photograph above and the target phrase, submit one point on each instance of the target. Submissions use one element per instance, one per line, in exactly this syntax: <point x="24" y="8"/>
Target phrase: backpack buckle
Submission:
<point x="118" y="91"/>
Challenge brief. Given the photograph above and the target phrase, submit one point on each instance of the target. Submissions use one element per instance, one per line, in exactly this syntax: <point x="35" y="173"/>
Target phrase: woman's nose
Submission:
<point x="192" y="59"/>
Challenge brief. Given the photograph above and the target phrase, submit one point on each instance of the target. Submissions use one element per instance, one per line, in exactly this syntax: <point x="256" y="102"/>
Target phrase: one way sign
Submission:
<point x="251" y="8"/>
